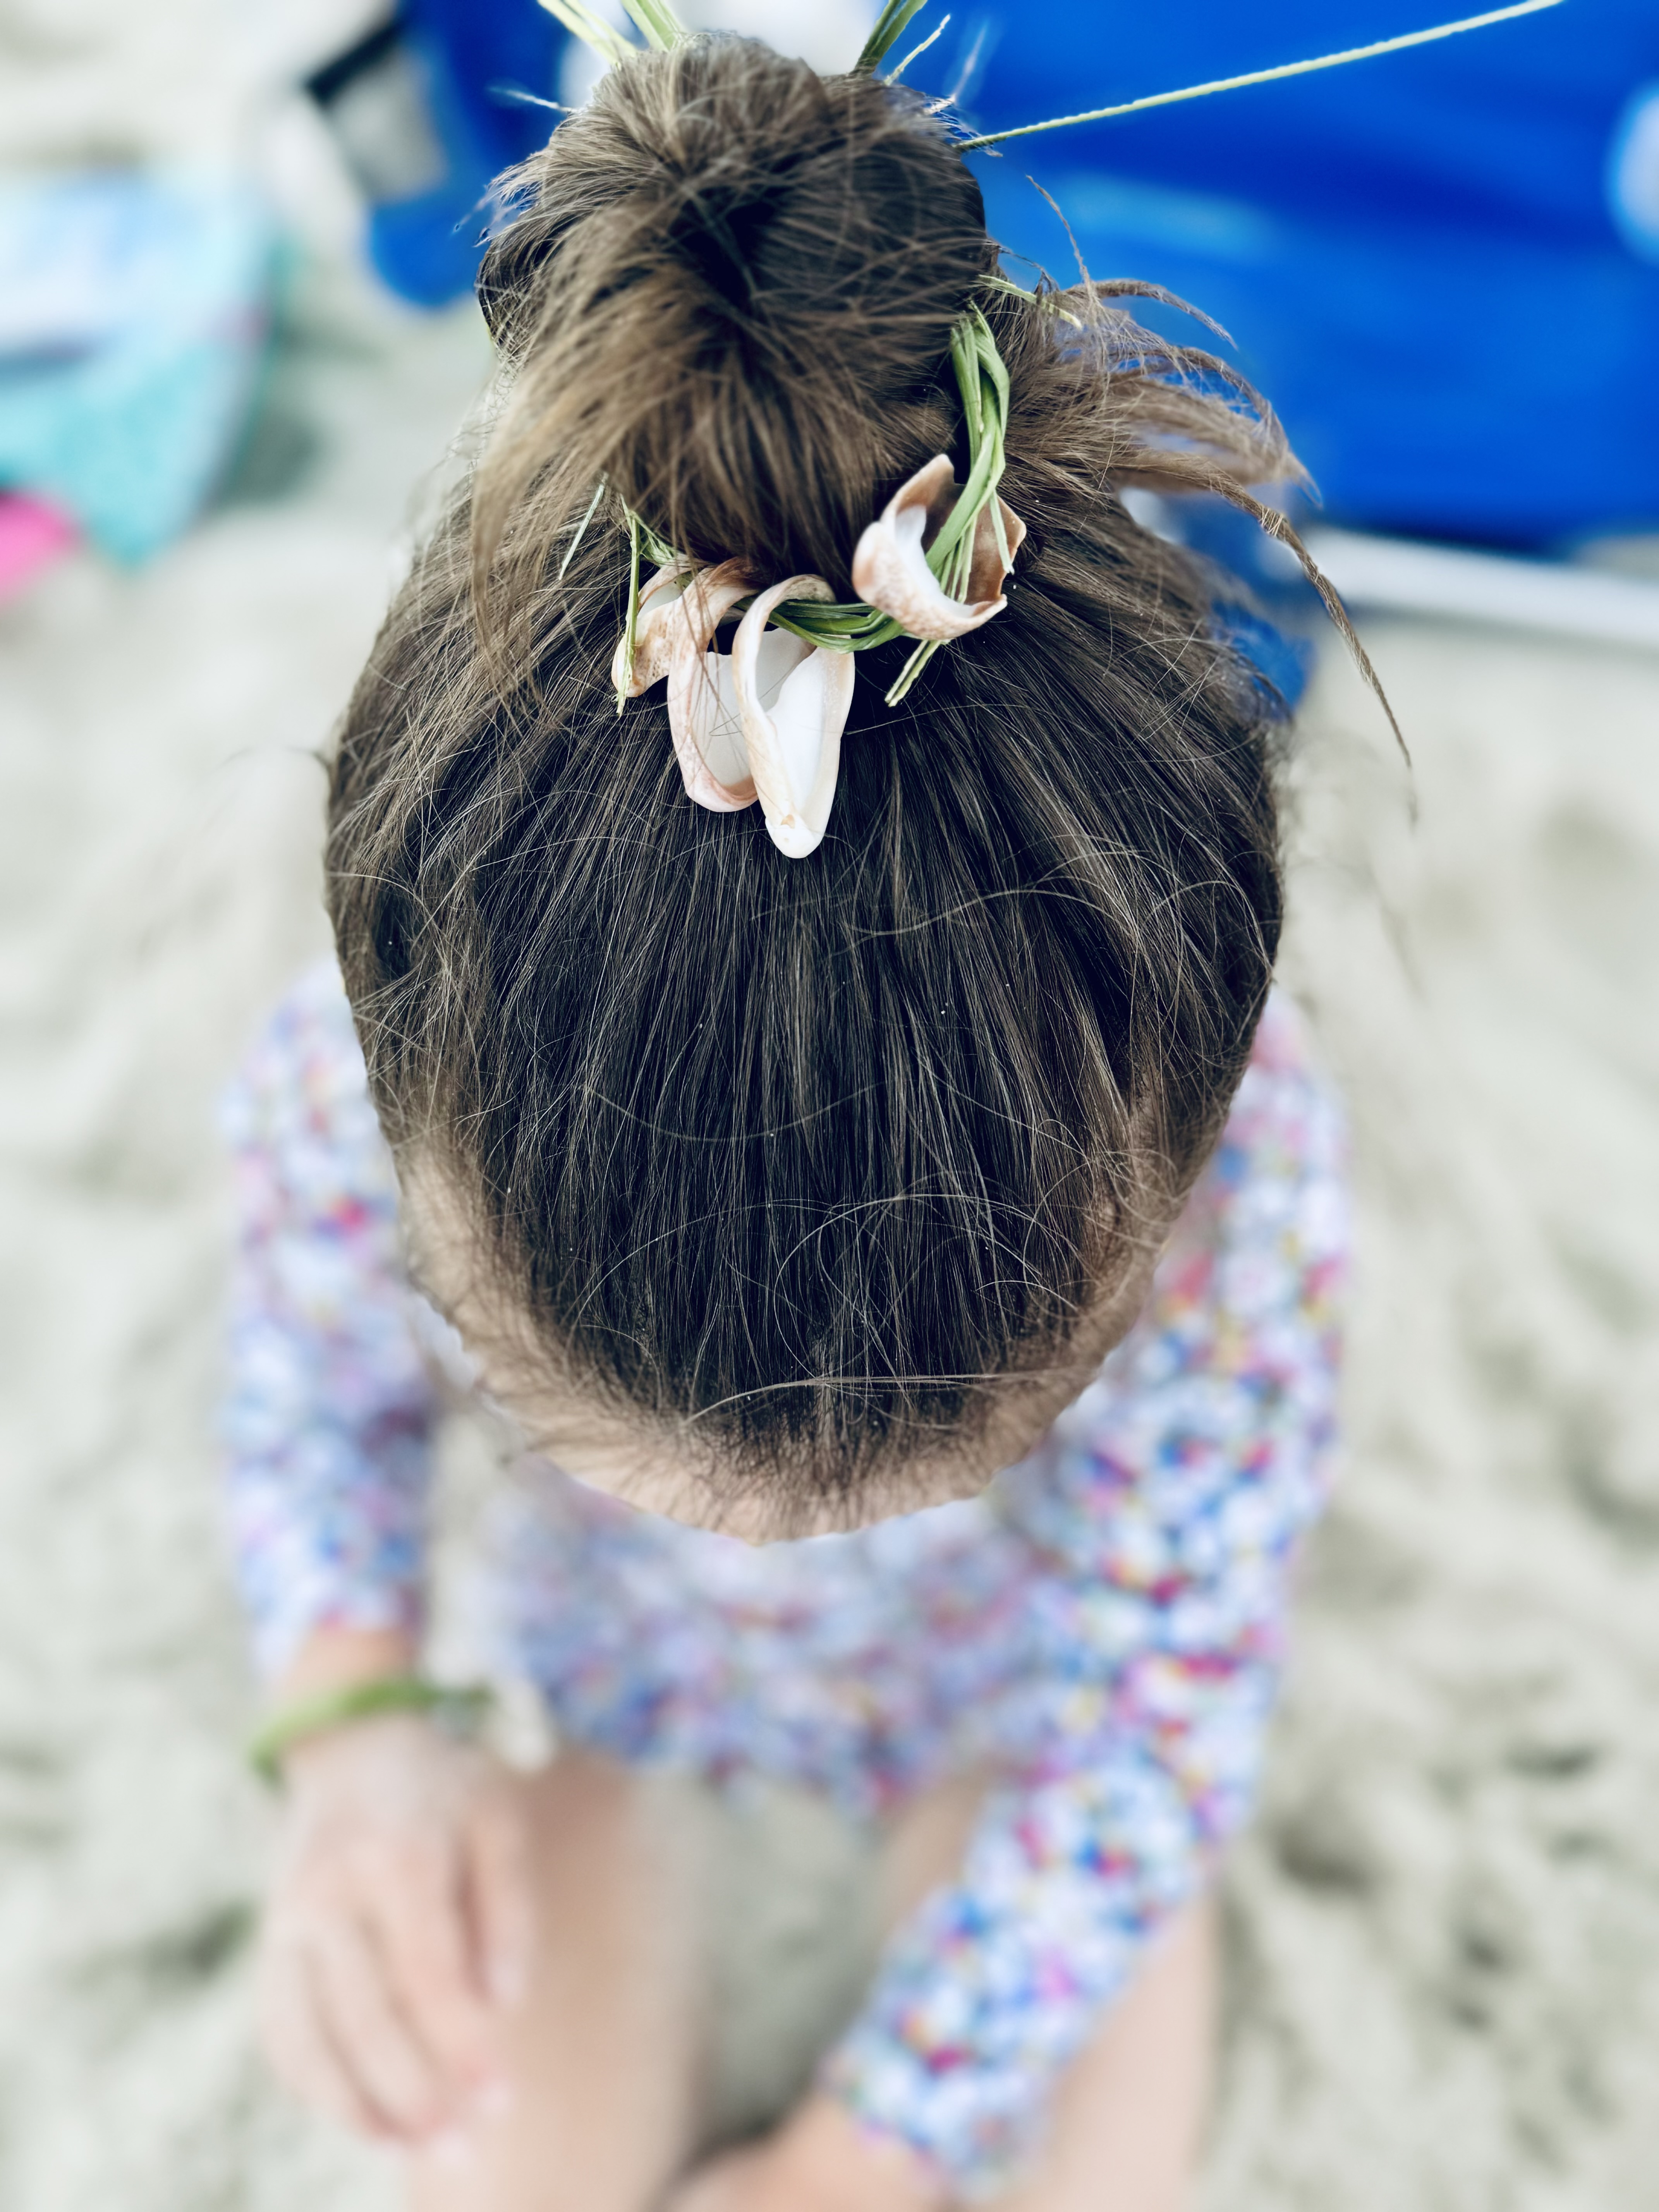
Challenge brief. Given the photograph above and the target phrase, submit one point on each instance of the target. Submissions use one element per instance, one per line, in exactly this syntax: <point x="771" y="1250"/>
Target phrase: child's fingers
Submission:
<point x="297" y="2043"/>
<point x="386" y="2066"/>
<point x="419" y="1927"/>
<point x="502" y="1910"/>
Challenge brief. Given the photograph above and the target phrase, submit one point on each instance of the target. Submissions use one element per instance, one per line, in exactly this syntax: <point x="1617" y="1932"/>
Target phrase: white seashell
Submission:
<point x="654" y="632"/>
<point x="889" y="565"/>
<point x="793" y="698"/>
<point x="703" y="714"/>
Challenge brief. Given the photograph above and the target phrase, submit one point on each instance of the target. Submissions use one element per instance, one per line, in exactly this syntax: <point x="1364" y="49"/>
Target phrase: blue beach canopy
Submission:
<point x="1442" y="266"/>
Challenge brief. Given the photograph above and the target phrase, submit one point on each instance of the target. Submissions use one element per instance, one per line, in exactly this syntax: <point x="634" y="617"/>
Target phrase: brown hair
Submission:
<point x="815" y="1154"/>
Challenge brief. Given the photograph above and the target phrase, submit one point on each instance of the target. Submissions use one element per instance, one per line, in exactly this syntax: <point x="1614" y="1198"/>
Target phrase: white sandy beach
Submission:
<point x="1445" y="1928"/>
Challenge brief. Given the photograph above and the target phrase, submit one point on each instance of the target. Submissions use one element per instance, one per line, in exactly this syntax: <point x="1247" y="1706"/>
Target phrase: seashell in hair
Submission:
<point x="654" y="631"/>
<point x="703" y="714"/>
<point x="794" y="698"/>
<point x="890" y="564"/>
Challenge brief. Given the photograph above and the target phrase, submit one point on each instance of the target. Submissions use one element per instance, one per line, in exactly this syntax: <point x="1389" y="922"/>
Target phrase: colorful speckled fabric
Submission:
<point x="1100" y="1631"/>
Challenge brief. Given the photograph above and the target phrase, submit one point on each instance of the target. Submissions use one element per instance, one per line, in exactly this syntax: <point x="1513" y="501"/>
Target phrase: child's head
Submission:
<point x="819" y="1182"/>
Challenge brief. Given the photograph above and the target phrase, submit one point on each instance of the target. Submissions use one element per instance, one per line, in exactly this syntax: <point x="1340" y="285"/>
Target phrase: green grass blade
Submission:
<point x="593" y="30"/>
<point x="894" y="74"/>
<point x="913" y="668"/>
<point x="656" y="549"/>
<point x="1263" y="77"/>
<point x="982" y="381"/>
<point x="630" y="630"/>
<point x="656" y="18"/>
<point x="862" y="626"/>
<point x="582" y="528"/>
<point x="891" y="27"/>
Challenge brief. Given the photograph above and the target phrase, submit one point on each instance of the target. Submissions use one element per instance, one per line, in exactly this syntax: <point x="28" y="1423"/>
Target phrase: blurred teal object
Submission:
<point x="133" y="316"/>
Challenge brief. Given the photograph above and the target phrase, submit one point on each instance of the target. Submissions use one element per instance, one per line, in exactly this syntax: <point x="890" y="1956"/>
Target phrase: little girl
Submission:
<point x="839" y="1107"/>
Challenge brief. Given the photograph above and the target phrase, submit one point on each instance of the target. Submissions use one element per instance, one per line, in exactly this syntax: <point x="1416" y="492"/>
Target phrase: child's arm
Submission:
<point x="396" y="1937"/>
<point x="1169" y="1503"/>
<point x="398" y="1921"/>
<point x="328" y="1417"/>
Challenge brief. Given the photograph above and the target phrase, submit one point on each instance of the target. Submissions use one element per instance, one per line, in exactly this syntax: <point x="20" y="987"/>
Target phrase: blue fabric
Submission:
<point x="132" y="320"/>
<point x="1420" y="258"/>
<point x="1281" y="661"/>
<point x="1425" y="260"/>
<point x="488" y="50"/>
<point x="476" y="56"/>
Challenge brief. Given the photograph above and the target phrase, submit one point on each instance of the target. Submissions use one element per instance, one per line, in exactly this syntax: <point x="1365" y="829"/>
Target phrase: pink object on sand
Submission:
<point x="31" y="536"/>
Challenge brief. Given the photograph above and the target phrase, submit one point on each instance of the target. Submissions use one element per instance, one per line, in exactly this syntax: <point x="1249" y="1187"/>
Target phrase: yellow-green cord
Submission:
<point x="459" y="1708"/>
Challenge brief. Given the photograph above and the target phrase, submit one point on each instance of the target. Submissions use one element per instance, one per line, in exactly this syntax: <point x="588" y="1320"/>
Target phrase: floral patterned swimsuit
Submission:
<point x="1101" y="1630"/>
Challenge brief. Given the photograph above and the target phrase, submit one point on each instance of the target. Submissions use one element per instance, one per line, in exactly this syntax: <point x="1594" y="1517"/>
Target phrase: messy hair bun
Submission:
<point x="731" y="297"/>
<point x="810" y="1159"/>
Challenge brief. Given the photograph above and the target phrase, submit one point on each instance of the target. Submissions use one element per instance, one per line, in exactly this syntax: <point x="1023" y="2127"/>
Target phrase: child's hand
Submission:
<point x="398" y="1928"/>
<point x="820" y="2160"/>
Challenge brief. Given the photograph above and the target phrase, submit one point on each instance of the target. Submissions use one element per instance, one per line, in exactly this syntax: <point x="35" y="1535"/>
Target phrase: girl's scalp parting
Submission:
<point x="813" y="1158"/>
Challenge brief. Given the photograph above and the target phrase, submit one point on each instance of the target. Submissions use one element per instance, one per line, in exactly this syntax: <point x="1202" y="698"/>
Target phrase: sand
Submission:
<point x="1446" y="1923"/>
<point x="159" y="813"/>
<point x="1443" y="1931"/>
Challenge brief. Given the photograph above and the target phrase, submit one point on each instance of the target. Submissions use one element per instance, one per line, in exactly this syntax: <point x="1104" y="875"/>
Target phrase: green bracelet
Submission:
<point x="461" y="1710"/>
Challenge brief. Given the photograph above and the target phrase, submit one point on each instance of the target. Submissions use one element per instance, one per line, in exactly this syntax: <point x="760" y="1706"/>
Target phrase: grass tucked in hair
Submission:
<point x="851" y="625"/>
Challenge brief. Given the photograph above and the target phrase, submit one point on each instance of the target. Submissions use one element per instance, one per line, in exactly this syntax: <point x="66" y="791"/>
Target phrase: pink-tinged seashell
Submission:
<point x="654" y="632"/>
<point x="987" y="572"/>
<point x="703" y="714"/>
<point x="794" y="699"/>
<point x="890" y="563"/>
<point x="890" y="566"/>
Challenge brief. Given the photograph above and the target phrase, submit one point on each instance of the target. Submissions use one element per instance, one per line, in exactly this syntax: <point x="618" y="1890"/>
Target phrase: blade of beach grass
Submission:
<point x="1263" y="77"/>
<point x="660" y="25"/>
<point x="593" y="30"/>
<point x="891" y="27"/>
<point x="582" y="528"/>
<point x="893" y="75"/>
